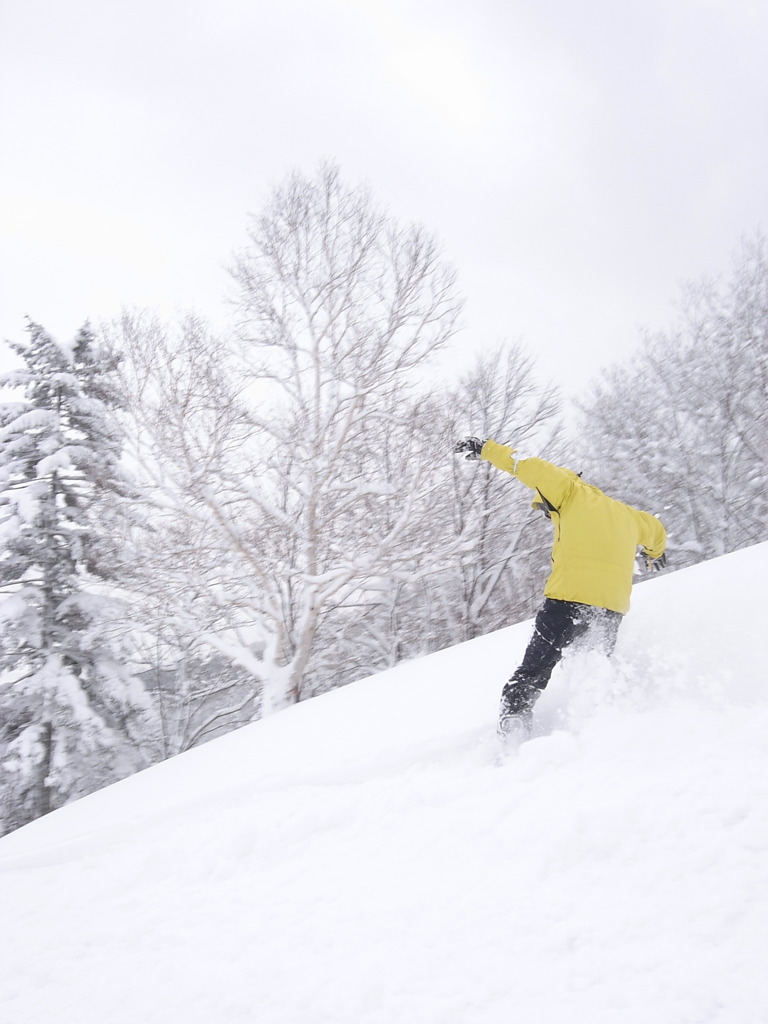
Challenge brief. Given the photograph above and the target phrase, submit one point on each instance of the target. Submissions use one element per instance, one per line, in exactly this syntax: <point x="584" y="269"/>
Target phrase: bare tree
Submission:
<point x="279" y="446"/>
<point x="683" y="426"/>
<point x="501" y="546"/>
<point x="338" y="307"/>
<point x="186" y="436"/>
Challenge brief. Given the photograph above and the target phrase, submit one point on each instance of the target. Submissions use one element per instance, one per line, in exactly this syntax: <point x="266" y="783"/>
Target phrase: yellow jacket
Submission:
<point x="596" y="537"/>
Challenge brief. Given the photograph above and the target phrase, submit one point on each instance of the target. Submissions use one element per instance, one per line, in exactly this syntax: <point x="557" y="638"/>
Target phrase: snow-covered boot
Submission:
<point x="514" y="729"/>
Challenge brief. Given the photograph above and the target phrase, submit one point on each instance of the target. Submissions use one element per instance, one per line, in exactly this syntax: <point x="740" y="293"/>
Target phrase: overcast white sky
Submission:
<point x="579" y="161"/>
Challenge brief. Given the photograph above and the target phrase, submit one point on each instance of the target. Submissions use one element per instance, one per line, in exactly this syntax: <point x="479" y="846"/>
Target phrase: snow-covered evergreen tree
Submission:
<point x="68" y="705"/>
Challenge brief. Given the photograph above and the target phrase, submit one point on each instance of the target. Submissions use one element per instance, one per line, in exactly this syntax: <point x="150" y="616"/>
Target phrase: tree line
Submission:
<point x="200" y="528"/>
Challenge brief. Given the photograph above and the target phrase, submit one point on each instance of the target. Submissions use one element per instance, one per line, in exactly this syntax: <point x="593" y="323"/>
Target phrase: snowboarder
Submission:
<point x="593" y="559"/>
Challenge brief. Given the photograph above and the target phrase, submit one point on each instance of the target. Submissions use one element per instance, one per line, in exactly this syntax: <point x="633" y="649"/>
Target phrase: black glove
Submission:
<point x="469" y="448"/>
<point x="654" y="564"/>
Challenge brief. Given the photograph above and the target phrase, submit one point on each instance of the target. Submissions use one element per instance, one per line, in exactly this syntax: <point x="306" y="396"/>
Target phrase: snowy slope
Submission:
<point x="363" y="859"/>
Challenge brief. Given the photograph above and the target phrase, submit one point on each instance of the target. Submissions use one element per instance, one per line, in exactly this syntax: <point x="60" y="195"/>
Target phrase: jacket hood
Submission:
<point x="540" y="499"/>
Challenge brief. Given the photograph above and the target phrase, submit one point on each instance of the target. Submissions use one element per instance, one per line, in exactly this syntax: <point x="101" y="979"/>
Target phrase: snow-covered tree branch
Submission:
<point x="70" y="712"/>
<point x="278" y="444"/>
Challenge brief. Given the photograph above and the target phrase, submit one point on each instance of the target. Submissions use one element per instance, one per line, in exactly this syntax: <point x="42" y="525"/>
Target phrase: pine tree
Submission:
<point x="68" y="706"/>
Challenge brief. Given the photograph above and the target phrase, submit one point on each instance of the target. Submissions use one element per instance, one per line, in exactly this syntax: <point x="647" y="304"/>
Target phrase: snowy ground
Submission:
<point x="364" y="859"/>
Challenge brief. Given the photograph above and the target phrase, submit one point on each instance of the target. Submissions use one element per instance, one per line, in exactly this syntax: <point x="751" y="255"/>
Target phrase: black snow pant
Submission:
<point x="558" y="625"/>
